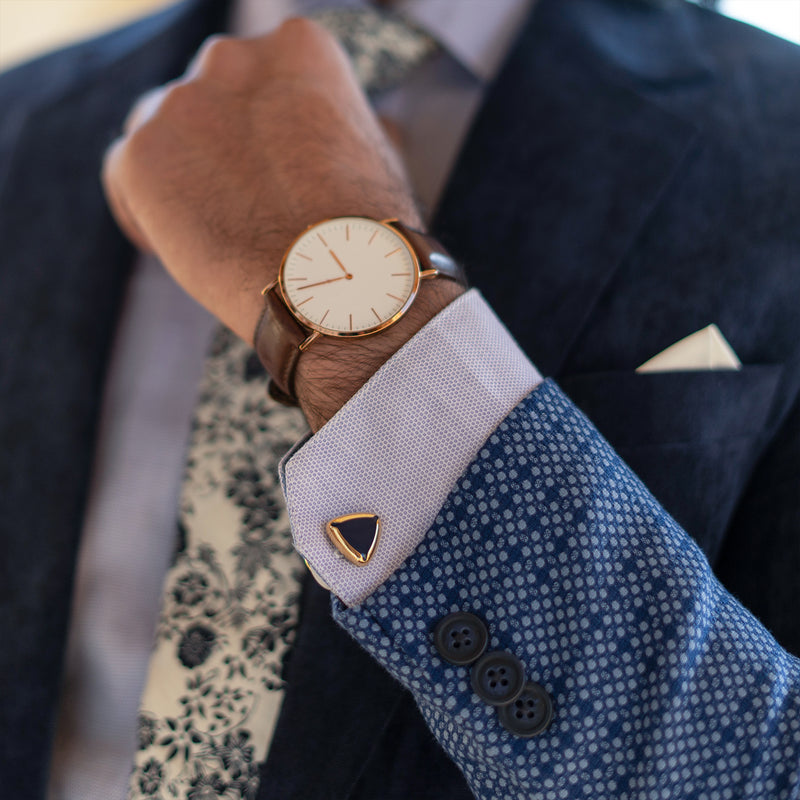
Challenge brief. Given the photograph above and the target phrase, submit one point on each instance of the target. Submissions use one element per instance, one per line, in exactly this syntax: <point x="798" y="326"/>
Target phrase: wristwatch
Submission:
<point x="345" y="278"/>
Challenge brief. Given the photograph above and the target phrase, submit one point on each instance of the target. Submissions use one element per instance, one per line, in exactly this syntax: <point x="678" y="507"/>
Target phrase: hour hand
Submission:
<point x="342" y="266"/>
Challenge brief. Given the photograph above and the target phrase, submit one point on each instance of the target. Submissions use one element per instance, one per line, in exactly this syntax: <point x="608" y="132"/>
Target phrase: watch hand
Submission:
<point x="346" y="273"/>
<point x="320" y="283"/>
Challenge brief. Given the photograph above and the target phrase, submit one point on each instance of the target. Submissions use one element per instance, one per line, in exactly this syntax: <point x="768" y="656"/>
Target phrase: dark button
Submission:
<point x="530" y="714"/>
<point x="498" y="678"/>
<point x="460" y="638"/>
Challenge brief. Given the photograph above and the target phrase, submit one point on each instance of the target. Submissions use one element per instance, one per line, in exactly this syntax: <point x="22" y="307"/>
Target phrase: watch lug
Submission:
<point x="428" y="273"/>
<point x="309" y="340"/>
<point x="269" y="287"/>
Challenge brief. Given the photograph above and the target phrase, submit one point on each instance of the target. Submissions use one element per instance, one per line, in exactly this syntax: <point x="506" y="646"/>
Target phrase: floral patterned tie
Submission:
<point x="383" y="47"/>
<point x="230" y="604"/>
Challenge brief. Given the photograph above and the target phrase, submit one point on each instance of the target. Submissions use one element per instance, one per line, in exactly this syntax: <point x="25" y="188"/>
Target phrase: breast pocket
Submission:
<point x="692" y="437"/>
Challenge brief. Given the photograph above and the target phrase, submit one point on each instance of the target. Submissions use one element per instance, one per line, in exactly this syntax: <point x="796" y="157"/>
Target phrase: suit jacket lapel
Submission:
<point x="64" y="271"/>
<point x="564" y="163"/>
<point x="338" y="702"/>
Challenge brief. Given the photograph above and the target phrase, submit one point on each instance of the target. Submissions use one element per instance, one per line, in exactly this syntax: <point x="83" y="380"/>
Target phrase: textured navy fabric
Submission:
<point x="632" y="176"/>
<point x="352" y="721"/>
<point x="62" y="278"/>
<point x="662" y="684"/>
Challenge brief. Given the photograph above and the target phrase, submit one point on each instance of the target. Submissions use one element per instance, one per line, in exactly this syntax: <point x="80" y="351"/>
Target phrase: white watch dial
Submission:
<point x="349" y="276"/>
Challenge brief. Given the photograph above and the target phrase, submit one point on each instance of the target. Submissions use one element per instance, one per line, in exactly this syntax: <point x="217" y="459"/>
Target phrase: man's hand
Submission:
<point x="219" y="171"/>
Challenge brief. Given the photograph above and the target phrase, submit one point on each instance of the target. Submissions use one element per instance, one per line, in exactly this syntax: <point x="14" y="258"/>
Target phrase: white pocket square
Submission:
<point x="704" y="350"/>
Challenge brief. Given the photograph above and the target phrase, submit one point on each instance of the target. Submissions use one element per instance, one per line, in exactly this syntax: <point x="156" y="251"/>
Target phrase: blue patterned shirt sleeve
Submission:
<point x="663" y="685"/>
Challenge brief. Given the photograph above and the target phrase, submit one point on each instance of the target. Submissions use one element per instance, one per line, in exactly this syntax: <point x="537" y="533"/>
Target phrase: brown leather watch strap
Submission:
<point x="277" y="342"/>
<point x="278" y="334"/>
<point x="431" y="254"/>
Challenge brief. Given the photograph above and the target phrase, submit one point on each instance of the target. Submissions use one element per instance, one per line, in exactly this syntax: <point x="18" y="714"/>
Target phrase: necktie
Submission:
<point x="383" y="47"/>
<point x="229" y="606"/>
<point x="230" y="601"/>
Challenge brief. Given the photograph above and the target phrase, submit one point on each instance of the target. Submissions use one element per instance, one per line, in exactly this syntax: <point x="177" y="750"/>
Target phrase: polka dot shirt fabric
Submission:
<point x="663" y="685"/>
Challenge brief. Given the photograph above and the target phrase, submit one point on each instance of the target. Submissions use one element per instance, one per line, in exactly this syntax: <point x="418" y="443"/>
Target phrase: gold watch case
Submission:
<point x="315" y="328"/>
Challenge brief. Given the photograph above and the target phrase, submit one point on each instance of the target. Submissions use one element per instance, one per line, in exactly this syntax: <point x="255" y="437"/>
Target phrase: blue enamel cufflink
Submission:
<point x="355" y="536"/>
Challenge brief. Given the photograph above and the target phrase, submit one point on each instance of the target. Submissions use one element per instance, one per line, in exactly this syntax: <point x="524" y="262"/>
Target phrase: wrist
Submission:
<point x="321" y="366"/>
<point x="332" y="371"/>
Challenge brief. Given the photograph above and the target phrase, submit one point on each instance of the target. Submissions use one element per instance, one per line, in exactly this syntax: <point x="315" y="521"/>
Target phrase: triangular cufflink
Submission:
<point x="355" y="536"/>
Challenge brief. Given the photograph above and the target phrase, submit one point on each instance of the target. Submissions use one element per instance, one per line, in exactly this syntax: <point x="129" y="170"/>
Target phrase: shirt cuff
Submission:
<point x="400" y="443"/>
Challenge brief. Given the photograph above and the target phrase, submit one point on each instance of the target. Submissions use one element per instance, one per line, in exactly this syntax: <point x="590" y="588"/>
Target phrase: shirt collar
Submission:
<point x="476" y="33"/>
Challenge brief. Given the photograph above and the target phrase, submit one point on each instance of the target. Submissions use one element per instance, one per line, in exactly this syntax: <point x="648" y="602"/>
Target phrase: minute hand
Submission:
<point x="321" y="283"/>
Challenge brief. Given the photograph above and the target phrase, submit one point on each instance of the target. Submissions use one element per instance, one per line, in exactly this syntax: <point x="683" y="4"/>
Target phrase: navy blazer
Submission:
<point x="630" y="178"/>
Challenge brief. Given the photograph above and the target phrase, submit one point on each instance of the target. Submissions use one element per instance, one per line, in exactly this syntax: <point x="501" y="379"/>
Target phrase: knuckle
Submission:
<point x="138" y="148"/>
<point x="304" y="46"/>
<point x="109" y="169"/>
<point x="215" y="50"/>
<point x="297" y="25"/>
<point x="224" y="58"/>
<point x="179" y="101"/>
<point x="304" y="31"/>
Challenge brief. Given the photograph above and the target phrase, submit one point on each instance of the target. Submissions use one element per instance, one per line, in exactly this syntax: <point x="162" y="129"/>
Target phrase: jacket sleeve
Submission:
<point x="662" y="684"/>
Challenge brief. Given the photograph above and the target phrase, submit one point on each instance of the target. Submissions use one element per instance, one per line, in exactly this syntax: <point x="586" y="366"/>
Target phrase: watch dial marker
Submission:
<point x="307" y="258"/>
<point x="305" y="301"/>
<point x="347" y="232"/>
<point x="395" y="297"/>
<point x="322" y="240"/>
<point x="392" y="252"/>
<point x="400" y="274"/>
<point x="298" y="279"/>
<point x="351" y="322"/>
<point x="323" y="316"/>
<point x="374" y="234"/>
<point x="376" y="314"/>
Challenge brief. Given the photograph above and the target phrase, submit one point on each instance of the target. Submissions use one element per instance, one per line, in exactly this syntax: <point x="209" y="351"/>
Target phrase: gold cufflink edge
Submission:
<point x="353" y="554"/>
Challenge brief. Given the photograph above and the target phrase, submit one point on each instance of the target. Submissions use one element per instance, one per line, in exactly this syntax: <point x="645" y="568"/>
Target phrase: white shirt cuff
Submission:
<point x="398" y="446"/>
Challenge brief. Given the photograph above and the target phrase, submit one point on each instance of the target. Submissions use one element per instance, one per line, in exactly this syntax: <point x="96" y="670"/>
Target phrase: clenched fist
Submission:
<point x="218" y="171"/>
